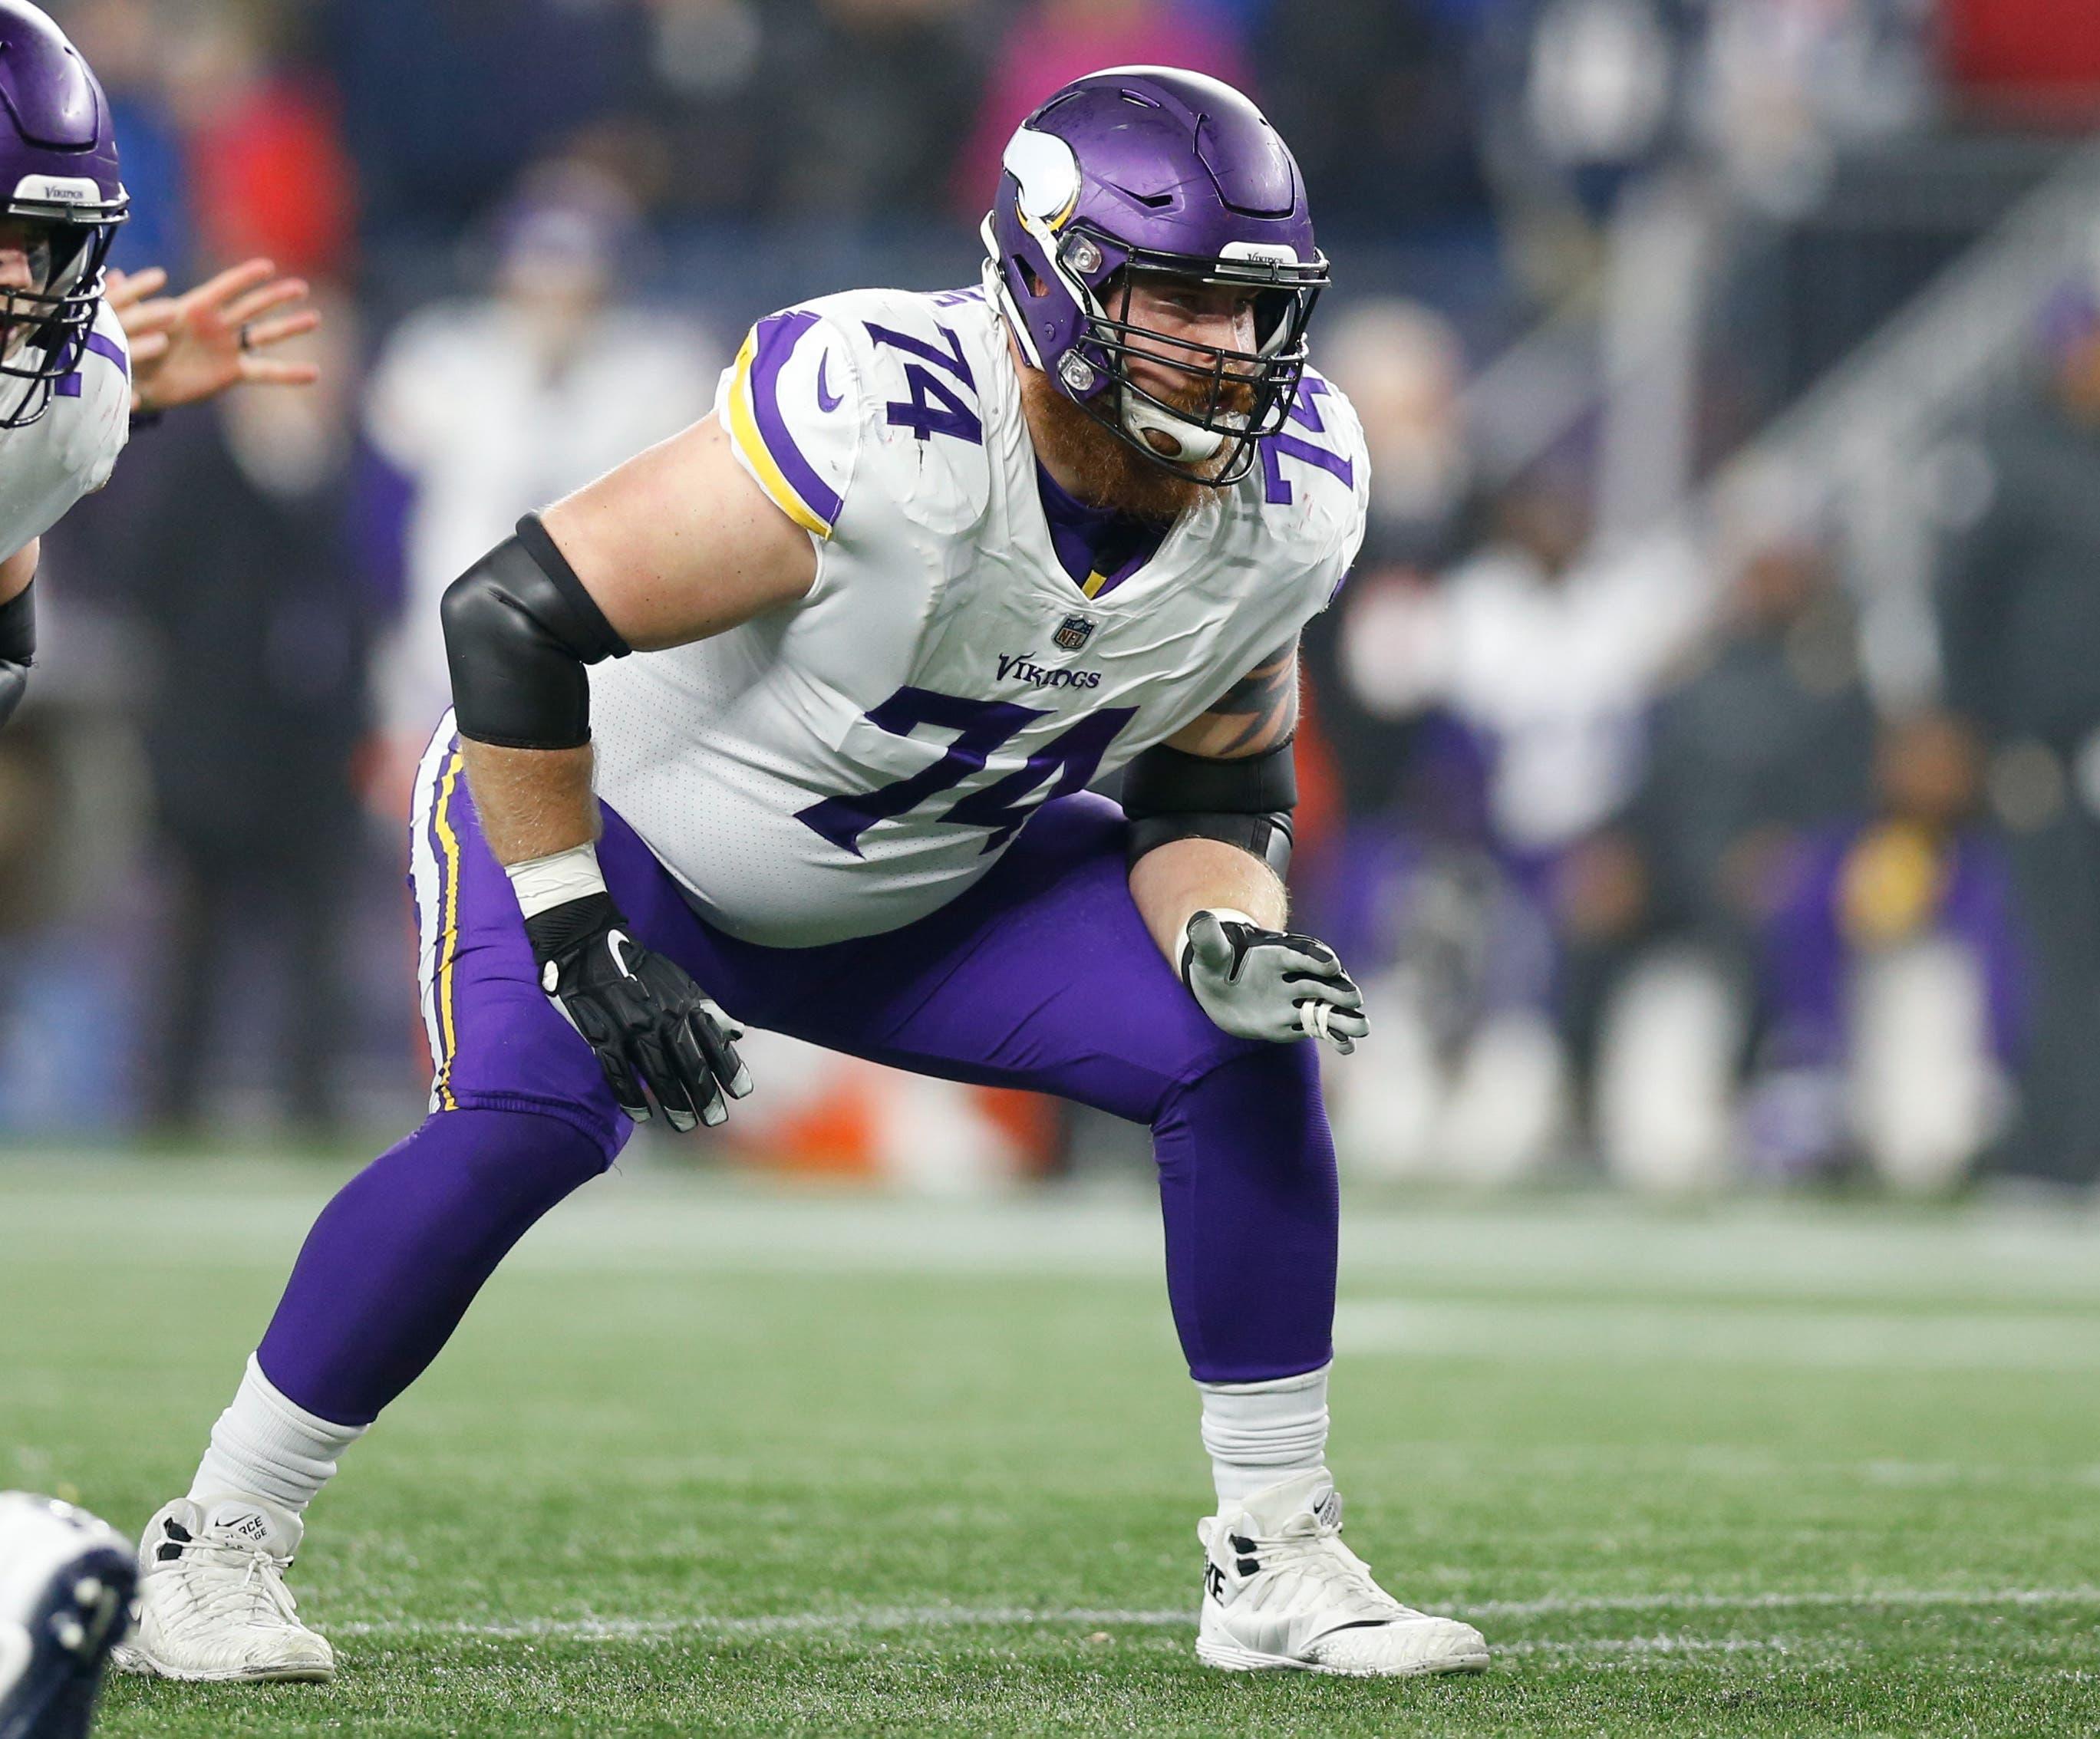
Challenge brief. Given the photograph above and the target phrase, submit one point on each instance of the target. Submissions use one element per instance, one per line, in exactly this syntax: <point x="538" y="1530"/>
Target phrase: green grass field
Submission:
<point x="708" y="1461"/>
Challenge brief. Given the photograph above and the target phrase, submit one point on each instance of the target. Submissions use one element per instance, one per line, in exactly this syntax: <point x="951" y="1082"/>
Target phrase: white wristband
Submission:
<point x="542" y="883"/>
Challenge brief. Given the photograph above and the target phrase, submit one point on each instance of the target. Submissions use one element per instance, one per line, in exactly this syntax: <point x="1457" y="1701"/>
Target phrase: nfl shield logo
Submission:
<point x="1075" y="633"/>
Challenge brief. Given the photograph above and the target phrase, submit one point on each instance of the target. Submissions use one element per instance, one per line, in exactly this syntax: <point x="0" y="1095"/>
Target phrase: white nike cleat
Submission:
<point x="1282" y="1590"/>
<point x="212" y="1599"/>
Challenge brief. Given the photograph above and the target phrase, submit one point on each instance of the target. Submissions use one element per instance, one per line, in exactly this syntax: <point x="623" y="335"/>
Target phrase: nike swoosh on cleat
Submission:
<point x="827" y="399"/>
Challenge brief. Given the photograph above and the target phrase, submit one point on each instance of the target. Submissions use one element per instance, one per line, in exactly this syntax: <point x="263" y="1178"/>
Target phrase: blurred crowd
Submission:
<point x="1639" y="869"/>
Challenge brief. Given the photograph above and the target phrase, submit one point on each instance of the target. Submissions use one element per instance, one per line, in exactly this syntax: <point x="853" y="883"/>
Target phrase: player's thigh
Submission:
<point x="1042" y="976"/>
<point x="497" y="1043"/>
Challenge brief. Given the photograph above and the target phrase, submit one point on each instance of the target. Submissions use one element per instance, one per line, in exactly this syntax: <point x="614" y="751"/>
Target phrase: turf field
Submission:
<point x="708" y="1461"/>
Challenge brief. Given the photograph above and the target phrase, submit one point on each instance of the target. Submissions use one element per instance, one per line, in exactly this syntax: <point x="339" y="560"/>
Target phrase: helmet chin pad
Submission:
<point x="1168" y="437"/>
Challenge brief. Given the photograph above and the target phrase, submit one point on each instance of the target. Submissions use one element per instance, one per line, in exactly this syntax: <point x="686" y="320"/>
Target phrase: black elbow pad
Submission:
<point x="519" y="629"/>
<point x="1246" y="802"/>
<point x="18" y="649"/>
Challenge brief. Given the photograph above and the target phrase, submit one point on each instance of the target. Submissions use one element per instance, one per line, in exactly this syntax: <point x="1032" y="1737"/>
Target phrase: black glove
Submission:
<point x="1270" y="984"/>
<point x="647" y="1022"/>
<point x="18" y="649"/>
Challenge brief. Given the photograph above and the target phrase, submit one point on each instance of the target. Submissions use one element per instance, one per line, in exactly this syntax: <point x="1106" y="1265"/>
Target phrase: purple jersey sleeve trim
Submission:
<point x="68" y="386"/>
<point x="778" y="335"/>
<point x="110" y="347"/>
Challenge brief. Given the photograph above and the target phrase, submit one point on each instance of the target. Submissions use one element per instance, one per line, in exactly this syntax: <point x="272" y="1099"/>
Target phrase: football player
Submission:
<point x="789" y="721"/>
<point x="77" y="365"/>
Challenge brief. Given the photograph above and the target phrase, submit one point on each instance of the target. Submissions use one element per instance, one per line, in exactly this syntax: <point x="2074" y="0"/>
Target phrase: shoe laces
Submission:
<point x="256" y="1595"/>
<point x="1308" y="1553"/>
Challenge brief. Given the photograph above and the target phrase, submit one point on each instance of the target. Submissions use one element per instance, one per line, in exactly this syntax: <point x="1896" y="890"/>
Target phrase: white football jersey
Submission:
<point x="850" y="764"/>
<point x="70" y="451"/>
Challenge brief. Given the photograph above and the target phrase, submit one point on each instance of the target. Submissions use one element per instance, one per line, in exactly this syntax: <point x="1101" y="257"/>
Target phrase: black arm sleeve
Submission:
<point x="1245" y="802"/>
<point x="519" y="629"/>
<point x="18" y="648"/>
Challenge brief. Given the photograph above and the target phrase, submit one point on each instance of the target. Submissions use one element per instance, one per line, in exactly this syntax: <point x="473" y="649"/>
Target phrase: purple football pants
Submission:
<point x="1042" y="976"/>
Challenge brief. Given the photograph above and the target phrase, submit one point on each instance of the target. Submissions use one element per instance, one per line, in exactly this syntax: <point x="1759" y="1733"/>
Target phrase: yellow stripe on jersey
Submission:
<point x="744" y="430"/>
<point x="448" y="848"/>
<point x="1095" y="581"/>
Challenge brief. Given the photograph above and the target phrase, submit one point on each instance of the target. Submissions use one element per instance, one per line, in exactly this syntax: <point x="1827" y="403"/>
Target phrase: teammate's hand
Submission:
<point x="1270" y="984"/>
<point x="647" y="1022"/>
<point x="196" y="345"/>
<point x="134" y="297"/>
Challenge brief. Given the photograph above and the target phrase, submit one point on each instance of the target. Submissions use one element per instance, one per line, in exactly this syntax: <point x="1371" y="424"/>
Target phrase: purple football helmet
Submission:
<point x="1152" y="170"/>
<point x="58" y="177"/>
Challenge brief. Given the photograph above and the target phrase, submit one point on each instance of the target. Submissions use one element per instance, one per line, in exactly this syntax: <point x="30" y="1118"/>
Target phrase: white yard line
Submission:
<point x="874" y="1618"/>
<point x="1656" y="1650"/>
<point x="637" y="1219"/>
<point x="893" y="1618"/>
<point x="1551" y="1606"/>
<point x="1706" y="1332"/>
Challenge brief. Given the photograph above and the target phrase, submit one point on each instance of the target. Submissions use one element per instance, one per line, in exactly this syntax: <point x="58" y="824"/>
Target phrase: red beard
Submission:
<point x="1098" y="466"/>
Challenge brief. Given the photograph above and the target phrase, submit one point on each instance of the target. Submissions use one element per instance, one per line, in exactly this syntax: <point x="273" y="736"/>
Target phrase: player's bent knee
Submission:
<point x="557" y="1152"/>
<point x="605" y="1133"/>
<point x="1292" y="1068"/>
<point x="1276" y="1084"/>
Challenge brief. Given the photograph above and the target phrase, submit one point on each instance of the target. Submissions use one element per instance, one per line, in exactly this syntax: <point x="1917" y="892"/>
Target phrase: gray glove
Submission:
<point x="1272" y="984"/>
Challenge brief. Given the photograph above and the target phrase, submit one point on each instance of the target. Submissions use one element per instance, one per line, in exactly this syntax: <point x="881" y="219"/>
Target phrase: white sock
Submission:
<point x="266" y="1446"/>
<point x="1259" y="1433"/>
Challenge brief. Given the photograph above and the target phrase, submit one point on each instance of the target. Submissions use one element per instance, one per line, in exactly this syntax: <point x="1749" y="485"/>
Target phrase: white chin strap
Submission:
<point x="1168" y="436"/>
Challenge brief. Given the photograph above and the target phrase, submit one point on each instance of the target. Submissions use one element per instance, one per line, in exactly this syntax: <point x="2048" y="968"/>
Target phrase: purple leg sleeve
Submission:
<point x="1246" y="1180"/>
<point x="395" y="1260"/>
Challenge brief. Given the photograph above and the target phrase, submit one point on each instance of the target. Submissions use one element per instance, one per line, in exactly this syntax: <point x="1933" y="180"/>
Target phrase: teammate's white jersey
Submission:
<point x="70" y="451"/>
<point x="851" y="762"/>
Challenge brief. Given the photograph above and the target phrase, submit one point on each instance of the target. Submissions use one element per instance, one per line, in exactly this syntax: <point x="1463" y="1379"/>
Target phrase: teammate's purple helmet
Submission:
<point x="1155" y="169"/>
<point x="58" y="173"/>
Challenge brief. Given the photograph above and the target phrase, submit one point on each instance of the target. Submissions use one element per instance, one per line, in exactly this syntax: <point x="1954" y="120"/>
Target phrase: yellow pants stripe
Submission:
<point x="448" y="854"/>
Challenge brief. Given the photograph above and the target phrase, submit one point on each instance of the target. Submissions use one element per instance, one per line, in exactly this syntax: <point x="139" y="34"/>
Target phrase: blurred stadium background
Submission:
<point x="1704" y="760"/>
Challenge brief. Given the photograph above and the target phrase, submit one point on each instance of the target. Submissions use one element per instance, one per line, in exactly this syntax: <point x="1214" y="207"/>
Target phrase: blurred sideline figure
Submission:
<point x="1894" y="977"/>
<point x="1764" y="736"/>
<point x="1825" y="973"/>
<point x="1529" y="665"/>
<point x="491" y="405"/>
<point x="77" y="365"/>
<point x="2020" y="616"/>
<point x="1404" y="367"/>
<point x="231" y="548"/>
<point x="66" y="1581"/>
<point x="1548" y="648"/>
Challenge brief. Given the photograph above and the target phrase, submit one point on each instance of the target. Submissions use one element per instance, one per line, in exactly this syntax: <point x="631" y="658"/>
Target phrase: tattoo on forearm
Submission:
<point x="1261" y="708"/>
